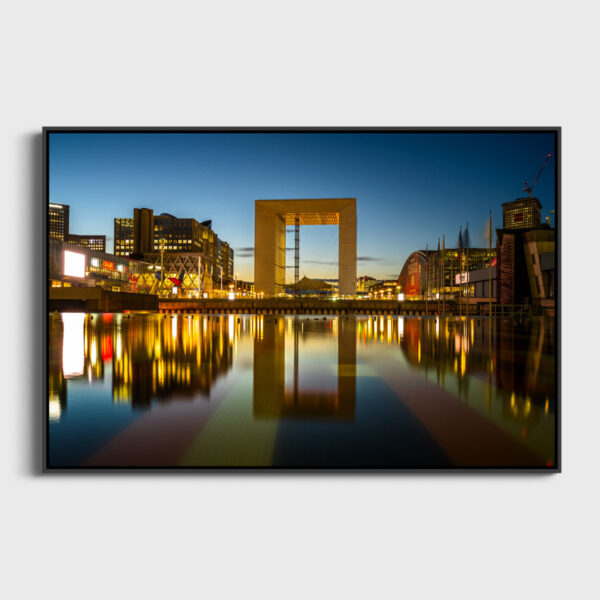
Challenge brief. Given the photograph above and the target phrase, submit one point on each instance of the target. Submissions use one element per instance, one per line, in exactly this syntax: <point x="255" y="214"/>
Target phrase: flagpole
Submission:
<point x="490" y="264"/>
<point x="460" y="256"/>
<point x="427" y="281"/>
<point x="452" y="276"/>
<point x="438" y="277"/>
<point x="467" y="270"/>
<point x="444" y="275"/>
<point x="162" y="274"/>
<point x="199" y="278"/>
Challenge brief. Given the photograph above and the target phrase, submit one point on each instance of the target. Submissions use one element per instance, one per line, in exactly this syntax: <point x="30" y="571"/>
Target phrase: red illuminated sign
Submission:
<point x="107" y="264"/>
<point x="412" y="286"/>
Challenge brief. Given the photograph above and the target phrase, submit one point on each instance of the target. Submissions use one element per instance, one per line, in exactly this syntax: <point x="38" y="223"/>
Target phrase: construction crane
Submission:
<point x="530" y="189"/>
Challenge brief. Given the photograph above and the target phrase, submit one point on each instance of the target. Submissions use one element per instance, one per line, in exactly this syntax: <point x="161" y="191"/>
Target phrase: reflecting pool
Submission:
<point x="151" y="390"/>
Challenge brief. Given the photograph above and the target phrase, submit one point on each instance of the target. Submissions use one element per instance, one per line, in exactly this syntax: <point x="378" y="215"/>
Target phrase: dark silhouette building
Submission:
<point x="526" y="250"/>
<point x="526" y="266"/>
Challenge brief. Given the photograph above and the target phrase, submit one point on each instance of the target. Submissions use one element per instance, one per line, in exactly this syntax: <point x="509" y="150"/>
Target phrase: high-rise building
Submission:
<point x="135" y="235"/>
<point x="124" y="236"/>
<point x="224" y="259"/>
<point x="143" y="234"/>
<point x="182" y="235"/>
<point x="93" y="242"/>
<point x="58" y="229"/>
<point x="522" y="213"/>
<point x="58" y="221"/>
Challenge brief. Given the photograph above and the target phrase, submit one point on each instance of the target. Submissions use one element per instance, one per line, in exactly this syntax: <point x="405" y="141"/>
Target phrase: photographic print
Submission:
<point x="280" y="298"/>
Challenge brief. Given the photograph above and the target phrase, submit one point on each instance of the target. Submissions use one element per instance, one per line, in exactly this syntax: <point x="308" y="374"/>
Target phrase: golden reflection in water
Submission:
<point x="272" y="398"/>
<point x="163" y="356"/>
<point x="514" y="358"/>
<point x="149" y="357"/>
<point x="54" y="407"/>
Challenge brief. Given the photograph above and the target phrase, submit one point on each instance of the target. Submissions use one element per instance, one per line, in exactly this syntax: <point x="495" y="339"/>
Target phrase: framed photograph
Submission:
<point x="356" y="299"/>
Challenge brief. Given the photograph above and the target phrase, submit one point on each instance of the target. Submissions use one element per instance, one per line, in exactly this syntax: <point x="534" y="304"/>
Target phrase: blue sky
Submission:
<point x="410" y="187"/>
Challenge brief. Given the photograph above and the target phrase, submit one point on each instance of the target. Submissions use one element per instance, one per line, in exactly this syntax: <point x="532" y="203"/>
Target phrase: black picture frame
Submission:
<point x="555" y="130"/>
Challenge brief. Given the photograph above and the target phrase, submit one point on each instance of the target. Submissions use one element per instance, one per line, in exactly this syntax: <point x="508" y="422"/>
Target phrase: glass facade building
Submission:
<point x="432" y="272"/>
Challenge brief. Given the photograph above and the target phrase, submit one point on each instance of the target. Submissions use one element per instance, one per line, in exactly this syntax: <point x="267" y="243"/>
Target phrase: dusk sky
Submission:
<point x="410" y="187"/>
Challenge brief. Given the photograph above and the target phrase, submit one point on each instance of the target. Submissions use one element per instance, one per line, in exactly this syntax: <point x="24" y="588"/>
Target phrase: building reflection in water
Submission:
<point x="57" y="384"/>
<point x="273" y="397"/>
<point x="372" y="390"/>
<point x="158" y="357"/>
<point x="149" y="358"/>
<point x="513" y="359"/>
<point x="172" y="356"/>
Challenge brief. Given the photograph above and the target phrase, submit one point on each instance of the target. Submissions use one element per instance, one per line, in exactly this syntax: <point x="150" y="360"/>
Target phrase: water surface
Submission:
<point x="248" y="390"/>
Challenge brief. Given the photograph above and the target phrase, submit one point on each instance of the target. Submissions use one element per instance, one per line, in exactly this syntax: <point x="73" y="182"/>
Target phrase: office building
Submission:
<point x="183" y="235"/>
<point x="522" y="213"/>
<point x="224" y="259"/>
<point x="124" y="237"/>
<point x="58" y="221"/>
<point x="93" y="242"/>
<point x="135" y="235"/>
<point x="184" y="243"/>
<point x="364" y="284"/>
<point x="58" y="229"/>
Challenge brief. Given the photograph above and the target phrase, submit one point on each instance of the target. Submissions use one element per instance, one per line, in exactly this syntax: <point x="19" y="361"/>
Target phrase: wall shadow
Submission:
<point x="34" y="298"/>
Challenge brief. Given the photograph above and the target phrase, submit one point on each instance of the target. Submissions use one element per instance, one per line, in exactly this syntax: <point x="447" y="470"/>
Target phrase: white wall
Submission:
<point x="312" y="63"/>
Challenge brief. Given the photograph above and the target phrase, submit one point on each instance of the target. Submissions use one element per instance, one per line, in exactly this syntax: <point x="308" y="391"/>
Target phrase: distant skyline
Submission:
<point x="411" y="188"/>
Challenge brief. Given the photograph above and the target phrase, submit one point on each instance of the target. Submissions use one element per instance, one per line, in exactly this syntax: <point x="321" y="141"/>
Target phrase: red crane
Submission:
<point x="530" y="189"/>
